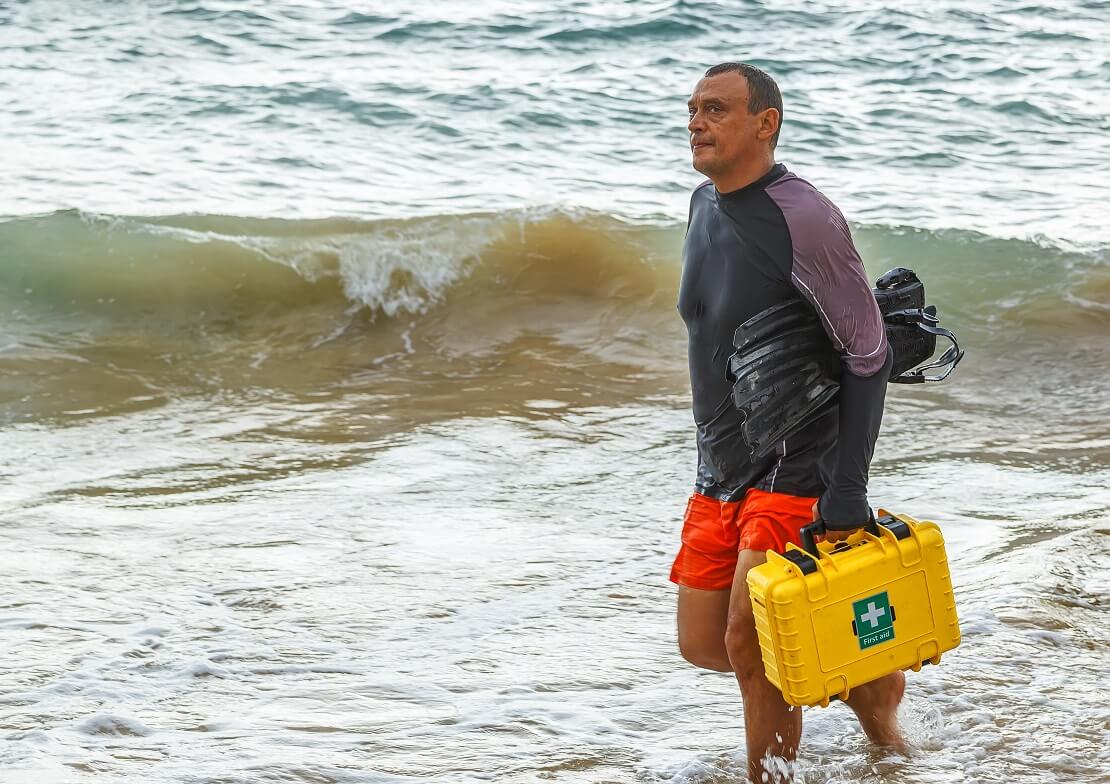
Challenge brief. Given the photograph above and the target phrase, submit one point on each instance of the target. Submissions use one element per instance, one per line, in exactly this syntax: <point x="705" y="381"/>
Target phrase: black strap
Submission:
<point x="948" y="360"/>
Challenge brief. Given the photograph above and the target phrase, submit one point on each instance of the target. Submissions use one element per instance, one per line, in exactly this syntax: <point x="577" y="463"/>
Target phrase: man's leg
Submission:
<point x="876" y="707"/>
<point x="772" y="726"/>
<point x="702" y="619"/>
<point x="706" y="559"/>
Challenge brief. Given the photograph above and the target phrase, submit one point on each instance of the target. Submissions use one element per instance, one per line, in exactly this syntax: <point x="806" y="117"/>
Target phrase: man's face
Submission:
<point x="723" y="135"/>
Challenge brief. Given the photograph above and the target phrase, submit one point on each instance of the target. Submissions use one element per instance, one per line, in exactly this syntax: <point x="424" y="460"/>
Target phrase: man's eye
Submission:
<point x="691" y="112"/>
<point x="715" y="109"/>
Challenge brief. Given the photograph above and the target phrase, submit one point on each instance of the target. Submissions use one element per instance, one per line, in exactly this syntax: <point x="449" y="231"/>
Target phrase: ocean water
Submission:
<point x="344" y="423"/>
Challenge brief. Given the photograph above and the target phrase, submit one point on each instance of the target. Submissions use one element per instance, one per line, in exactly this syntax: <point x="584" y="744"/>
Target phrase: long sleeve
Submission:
<point x="844" y="504"/>
<point x="828" y="272"/>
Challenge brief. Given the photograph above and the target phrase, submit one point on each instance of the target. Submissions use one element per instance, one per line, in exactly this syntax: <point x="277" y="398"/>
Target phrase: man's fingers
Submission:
<point x="832" y="536"/>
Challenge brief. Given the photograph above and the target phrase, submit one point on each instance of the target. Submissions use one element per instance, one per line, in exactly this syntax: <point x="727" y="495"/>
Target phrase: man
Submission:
<point x="758" y="236"/>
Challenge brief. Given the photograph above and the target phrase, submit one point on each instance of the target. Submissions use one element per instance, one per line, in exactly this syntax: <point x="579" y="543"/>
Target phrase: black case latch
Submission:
<point x="803" y="560"/>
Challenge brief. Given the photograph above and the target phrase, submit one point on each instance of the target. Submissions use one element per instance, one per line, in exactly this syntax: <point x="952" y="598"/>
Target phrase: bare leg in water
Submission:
<point x="717" y="631"/>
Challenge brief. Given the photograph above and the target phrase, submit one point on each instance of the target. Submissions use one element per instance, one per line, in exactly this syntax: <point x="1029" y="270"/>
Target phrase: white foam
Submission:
<point x="111" y="724"/>
<point x="205" y="668"/>
<point x="392" y="270"/>
<point x="399" y="272"/>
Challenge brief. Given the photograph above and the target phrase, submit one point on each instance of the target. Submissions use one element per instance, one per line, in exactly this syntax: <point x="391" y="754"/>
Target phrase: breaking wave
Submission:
<point x="220" y="270"/>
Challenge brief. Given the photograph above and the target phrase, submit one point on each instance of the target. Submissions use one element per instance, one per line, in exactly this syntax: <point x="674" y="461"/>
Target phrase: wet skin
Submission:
<point x="734" y="147"/>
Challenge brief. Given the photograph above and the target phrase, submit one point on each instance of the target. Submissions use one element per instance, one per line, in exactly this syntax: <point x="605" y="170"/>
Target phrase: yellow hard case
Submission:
<point x="861" y="609"/>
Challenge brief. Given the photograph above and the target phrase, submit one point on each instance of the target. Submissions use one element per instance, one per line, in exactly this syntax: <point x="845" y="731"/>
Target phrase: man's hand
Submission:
<point x="834" y="536"/>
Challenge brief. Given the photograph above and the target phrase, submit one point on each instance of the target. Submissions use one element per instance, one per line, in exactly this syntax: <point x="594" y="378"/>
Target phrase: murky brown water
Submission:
<point x="393" y="497"/>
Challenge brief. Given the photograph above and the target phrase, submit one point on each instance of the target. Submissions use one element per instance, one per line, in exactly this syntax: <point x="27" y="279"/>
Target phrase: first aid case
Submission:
<point x="831" y="617"/>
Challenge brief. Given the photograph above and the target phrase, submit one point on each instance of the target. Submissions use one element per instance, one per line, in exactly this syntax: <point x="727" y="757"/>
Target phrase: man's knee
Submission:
<point x="741" y="639"/>
<point x="742" y="645"/>
<point x="708" y="657"/>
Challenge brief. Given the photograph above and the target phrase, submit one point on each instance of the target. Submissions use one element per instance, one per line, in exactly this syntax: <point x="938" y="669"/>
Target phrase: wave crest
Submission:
<point x="211" y="267"/>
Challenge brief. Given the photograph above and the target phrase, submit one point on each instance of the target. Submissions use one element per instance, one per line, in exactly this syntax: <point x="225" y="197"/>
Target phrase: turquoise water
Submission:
<point x="344" y="419"/>
<point x="988" y="116"/>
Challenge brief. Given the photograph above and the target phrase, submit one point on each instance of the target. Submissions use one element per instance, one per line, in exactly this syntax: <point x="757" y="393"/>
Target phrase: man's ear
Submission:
<point x="769" y="120"/>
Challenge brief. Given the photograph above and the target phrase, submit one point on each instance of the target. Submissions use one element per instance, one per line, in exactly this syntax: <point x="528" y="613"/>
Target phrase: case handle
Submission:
<point x="817" y="528"/>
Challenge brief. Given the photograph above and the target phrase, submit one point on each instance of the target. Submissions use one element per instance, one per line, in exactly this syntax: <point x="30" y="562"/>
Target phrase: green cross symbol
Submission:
<point x="874" y="622"/>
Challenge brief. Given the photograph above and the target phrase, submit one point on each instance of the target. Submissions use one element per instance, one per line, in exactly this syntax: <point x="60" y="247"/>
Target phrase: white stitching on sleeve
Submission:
<point x="843" y="343"/>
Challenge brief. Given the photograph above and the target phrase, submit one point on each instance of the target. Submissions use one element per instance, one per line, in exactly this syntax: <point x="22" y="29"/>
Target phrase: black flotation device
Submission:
<point x="785" y="371"/>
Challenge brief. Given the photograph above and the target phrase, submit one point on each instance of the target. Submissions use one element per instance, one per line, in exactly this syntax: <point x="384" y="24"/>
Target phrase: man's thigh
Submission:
<point x="740" y="598"/>
<point x="706" y="617"/>
<point x="702" y="621"/>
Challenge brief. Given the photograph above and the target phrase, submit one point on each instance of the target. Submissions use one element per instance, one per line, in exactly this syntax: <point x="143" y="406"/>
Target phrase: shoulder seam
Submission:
<point x="785" y="225"/>
<point x="801" y="183"/>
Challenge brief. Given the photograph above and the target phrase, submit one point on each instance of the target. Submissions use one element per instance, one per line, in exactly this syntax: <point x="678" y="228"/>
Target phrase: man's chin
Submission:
<point x="703" y="164"/>
<point x="704" y="159"/>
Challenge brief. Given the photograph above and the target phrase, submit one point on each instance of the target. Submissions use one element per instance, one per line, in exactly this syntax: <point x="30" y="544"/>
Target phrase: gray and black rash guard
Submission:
<point x="774" y="240"/>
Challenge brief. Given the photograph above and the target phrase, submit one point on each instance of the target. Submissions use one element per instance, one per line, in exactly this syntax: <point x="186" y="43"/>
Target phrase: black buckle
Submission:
<point x="900" y="529"/>
<point x="804" y="561"/>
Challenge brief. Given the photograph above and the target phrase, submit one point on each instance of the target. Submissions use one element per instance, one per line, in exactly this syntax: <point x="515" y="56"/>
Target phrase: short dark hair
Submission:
<point x="763" y="92"/>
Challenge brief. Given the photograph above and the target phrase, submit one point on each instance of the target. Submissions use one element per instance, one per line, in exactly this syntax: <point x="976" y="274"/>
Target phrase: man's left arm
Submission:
<point x="827" y="270"/>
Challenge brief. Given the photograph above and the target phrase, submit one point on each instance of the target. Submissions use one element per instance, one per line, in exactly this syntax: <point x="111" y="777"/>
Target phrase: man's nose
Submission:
<point x="697" y="122"/>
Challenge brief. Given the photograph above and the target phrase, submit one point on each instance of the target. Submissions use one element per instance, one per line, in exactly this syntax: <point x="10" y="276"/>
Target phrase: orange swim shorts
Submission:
<point x="714" y="532"/>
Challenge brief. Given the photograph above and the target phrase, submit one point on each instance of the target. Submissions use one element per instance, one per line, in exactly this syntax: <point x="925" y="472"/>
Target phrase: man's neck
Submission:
<point x="740" y="178"/>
